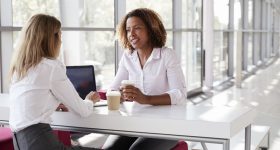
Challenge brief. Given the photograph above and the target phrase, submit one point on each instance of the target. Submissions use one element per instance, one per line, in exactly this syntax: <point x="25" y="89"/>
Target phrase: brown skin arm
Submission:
<point x="134" y="94"/>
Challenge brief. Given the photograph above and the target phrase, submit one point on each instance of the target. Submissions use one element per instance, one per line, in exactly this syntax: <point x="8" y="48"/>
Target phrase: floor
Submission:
<point x="261" y="91"/>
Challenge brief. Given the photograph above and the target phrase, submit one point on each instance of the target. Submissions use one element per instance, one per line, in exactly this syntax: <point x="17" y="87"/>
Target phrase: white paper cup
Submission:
<point x="127" y="82"/>
<point x="113" y="100"/>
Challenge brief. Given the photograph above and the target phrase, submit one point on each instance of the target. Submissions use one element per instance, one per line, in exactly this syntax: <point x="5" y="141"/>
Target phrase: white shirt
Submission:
<point x="38" y="94"/>
<point x="162" y="73"/>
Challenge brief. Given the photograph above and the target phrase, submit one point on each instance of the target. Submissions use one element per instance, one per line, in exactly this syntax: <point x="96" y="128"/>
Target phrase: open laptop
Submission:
<point x="83" y="79"/>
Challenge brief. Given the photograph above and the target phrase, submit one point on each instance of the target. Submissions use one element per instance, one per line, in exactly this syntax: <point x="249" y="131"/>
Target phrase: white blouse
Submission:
<point x="38" y="94"/>
<point x="162" y="73"/>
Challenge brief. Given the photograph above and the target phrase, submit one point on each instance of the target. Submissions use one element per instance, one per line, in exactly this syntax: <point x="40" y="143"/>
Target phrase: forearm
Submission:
<point x="163" y="99"/>
<point x="133" y="93"/>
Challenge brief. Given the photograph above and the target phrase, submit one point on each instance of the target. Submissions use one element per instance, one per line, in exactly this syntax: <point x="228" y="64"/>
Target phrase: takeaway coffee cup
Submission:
<point x="127" y="82"/>
<point x="113" y="100"/>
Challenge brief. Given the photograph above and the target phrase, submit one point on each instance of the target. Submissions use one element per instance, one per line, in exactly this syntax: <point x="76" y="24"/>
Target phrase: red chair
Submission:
<point x="102" y="94"/>
<point x="63" y="136"/>
<point x="181" y="145"/>
<point x="6" y="139"/>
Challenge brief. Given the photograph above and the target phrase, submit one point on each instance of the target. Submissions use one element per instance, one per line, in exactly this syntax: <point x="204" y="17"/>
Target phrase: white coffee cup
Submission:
<point x="127" y="82"/>
<point x="113" y="100"/>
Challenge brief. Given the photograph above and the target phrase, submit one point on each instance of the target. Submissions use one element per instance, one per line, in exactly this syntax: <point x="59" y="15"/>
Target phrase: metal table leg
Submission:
<point x="248" y="137"/>
<point x="203" y="145"/>
<point x="226" y="145"/>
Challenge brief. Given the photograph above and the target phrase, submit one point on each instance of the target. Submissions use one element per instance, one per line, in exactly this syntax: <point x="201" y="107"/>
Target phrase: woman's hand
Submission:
<point x="132" y="93"/>
<point x="61" y="107"/>
<point x="93" y="96"/>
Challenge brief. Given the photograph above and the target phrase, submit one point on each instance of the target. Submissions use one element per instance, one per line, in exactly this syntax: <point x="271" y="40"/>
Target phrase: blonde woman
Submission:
<point x="39" y="84"/>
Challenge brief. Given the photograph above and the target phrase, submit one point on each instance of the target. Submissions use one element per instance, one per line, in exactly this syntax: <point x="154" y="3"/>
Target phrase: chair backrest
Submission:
<point x="63" y="136"/>
<point x="6" y="139"/>
<point x="181" y="145"/>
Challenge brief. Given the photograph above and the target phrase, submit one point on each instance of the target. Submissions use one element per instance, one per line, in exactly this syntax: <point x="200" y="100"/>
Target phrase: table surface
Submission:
<point x="221" y="122"/>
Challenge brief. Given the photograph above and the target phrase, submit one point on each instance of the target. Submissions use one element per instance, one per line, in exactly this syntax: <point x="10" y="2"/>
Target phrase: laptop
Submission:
<point x="83" y="79"/>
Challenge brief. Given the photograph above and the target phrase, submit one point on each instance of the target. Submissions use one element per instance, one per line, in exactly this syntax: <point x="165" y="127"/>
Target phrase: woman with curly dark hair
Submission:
<point x="154" y="69"/>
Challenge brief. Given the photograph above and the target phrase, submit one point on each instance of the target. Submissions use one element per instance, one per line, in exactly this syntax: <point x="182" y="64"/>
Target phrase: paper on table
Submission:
<point x="101" y="103"/>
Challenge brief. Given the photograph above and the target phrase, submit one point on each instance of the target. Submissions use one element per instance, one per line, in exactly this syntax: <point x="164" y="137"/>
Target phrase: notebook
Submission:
<point x="83" y="79"/>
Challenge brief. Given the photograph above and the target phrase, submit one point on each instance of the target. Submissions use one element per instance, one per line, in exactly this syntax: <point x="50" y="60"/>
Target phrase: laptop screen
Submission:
<point x="83" y="79"/>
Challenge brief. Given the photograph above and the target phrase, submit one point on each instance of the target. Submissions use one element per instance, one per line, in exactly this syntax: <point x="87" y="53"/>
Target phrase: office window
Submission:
<point x="221" y="14"/>
<point x="165" y="12"/>
<point x="88" y="28"/>
<point x="87" y="13"/>
<point x="165" y="9"/>
<point x="220" y="57"/>
<point x="256" y="18"/>
<point x="250" y="51"/>
<point x="91" y="48"/>
<point x="237" y="27"/>
<point x="191" y="14"/>
<point x="191" y="57"/>
<point x="221" y="46"/>
<point x="189" y="29"/>
<point x="237" y="15"/>
<point x="250" y="34"/>
<point x="88" y="32"/>
<point x="98" y="13"/>
<point x="191" y="43"/>
<point x="250" y="14"/>
<point x="24" y="9"/>
<point x="276" y="33"/>
<point x="77" y="13"/>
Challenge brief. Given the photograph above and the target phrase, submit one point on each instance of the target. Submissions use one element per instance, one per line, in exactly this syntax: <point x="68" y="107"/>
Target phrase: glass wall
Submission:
<point x="251" y="23"/>
<point x="247" y="26"/>
<point x="189" y="31"/>
<point x="23" y="9"/>
<point x="192" y="58"/>
<point x="88" y="32"/>
<point x="257" y="34"/>
<point x="165" y="9"/>
<point x="95" y="48"/>
<point x="221" y="41"/>
<point x="165" y="12"/>
<point x="250" y="35"/>
<point x="89" y="26"/>
<point x="237" y="25"/>
<point x="191" y="43"/>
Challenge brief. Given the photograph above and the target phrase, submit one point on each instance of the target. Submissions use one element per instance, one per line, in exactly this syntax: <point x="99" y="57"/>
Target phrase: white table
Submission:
<point x="194" y="123"/>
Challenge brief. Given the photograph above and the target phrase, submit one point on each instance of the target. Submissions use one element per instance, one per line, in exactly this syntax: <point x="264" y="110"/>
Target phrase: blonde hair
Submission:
<point x="156" y="31"/>
<point x="39" y="38"/>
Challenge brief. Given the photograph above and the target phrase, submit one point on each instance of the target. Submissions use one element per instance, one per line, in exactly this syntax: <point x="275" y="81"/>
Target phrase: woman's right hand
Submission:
<point x="62" y="107"/>
<point x="124" y="96"/>
<point x="93" y="96"/>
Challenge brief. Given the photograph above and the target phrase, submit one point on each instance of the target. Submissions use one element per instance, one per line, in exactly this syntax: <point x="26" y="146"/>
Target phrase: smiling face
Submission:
<point x="137" y="33"/>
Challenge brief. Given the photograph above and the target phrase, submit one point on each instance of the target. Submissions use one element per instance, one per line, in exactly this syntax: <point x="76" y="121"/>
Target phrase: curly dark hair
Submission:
<point x="156" y="30"/>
